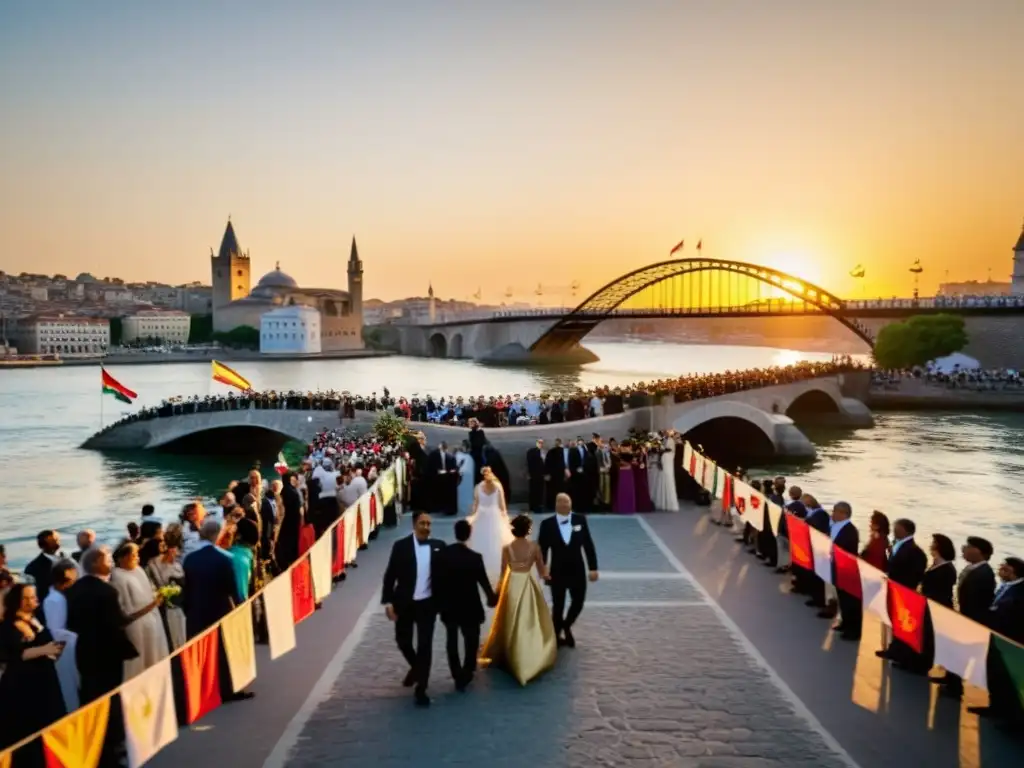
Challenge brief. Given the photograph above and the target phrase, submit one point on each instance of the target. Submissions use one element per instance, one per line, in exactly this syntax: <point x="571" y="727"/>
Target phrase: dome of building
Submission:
<point x="277" y="279"/>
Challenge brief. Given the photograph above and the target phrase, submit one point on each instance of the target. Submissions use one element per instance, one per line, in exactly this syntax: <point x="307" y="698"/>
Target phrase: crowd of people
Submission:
<point x="75" y="627"/>
<point x="971" y="379"/>
<point x="503" y="410"/>
<point x="891" y="547"/>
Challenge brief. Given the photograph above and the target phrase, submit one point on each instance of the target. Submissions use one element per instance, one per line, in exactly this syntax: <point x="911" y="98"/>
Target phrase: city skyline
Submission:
<point x="482" y="147"/>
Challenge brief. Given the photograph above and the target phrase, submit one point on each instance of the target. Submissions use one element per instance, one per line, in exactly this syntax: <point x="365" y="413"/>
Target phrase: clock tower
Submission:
<point x="355" y="282"/>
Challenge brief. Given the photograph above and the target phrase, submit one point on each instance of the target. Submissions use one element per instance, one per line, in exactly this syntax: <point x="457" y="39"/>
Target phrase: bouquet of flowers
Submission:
<point x="171" y="594"/>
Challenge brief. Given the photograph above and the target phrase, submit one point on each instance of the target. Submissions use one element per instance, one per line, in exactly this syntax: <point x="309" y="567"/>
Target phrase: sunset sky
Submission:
<point x="508" y="144"/>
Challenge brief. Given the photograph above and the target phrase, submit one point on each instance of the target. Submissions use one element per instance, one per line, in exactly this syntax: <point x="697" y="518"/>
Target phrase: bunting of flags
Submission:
<point x="186" y="686"/>
<point x="962" y="646"/>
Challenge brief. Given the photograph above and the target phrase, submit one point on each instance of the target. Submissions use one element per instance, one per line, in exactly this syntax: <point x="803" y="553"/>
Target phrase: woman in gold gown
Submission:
<point x="522" y="639"/>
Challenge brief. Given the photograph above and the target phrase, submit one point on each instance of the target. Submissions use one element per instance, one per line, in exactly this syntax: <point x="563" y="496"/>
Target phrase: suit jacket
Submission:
<point x="1006" y="614"/>
<point x="554" y="463"/>
<point x="848" y="539"/>
<point x="434" y="462"/>
<point x="400" y="575"/>
<point x="938" y="584"/>
<point x="567" y="564"/>
<point x="819" y="520"/>
<point x="457" y="579"/>
<point x="95" y="615"/>
<point x="535" y="464"/>
<point x="975" y="591"/>
<point x="908" y="564"/>
<point x="211" y="591"/>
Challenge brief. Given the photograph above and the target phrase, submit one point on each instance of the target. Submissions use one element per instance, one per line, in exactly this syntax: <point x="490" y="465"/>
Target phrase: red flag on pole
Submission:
<point x="727" y="493"/>
<point x="303" y="602"/>
<point x="906" y="612"/>
<point x="847" y="572"/>
<point x="679" y="246"/>
<point x="800" y="551"/>
<point x="700" y="244"/>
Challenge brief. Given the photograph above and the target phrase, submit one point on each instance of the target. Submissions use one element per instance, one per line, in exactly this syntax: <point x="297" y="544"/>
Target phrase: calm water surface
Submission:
<point x="952" y="473"/>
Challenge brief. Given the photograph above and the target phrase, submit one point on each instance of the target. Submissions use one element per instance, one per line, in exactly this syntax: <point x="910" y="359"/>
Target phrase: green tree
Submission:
<point x="116" y="332"/>
<point x="241" y="337"/>
<point x="389" y="428"/>
<point x="919" y="339"/>
<point x="201" y="329"/>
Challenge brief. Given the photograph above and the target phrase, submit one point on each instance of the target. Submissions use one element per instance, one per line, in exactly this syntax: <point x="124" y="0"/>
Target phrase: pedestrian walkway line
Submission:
<point x="646" y="604"/>
<point x="641" y="576"/>
<point x="799" y="707"/>
<point x="278" y="757"/>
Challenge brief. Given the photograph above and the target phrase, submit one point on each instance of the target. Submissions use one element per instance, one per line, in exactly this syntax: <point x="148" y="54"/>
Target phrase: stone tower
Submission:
<point x="431" y="305"/>
<point x="1018" y="266"/>
<point x="230" y="271"/>
<point x="355" y="282"/>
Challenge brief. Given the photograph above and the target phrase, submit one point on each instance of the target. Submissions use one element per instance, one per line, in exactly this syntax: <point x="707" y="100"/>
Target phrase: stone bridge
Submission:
<point x="752" y="425"/>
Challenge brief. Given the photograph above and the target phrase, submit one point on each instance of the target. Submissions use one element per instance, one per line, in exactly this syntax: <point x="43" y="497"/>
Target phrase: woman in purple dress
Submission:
<point x="643" y="488"/>
<point x="625" y="490"/>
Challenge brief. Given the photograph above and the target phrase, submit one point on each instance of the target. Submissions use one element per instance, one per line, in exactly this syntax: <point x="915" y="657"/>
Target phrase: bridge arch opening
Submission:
<point x="438" y="345"/>
<point x="455" y="346"/>
<point x="811" y="406"/>
<point x="732" y="441"/>
<point x="254" y="443"/>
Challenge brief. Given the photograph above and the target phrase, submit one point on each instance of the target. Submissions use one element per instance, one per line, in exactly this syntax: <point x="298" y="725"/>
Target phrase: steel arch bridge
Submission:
<point x="717" y="280"/>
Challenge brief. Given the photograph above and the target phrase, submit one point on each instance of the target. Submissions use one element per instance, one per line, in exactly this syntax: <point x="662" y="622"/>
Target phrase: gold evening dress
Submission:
<point x="522" y="639"/>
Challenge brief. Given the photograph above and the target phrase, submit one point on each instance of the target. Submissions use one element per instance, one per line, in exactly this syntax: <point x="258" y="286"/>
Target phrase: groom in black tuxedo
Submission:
<point x="567" y="537"/>
<point x="408" y="600"/>
<point x="460" y="575"/>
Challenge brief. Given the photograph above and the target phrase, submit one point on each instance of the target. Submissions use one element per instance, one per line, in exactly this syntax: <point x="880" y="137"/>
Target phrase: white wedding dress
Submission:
<point x="662" y="474"/>
<point x="491" y="530"/>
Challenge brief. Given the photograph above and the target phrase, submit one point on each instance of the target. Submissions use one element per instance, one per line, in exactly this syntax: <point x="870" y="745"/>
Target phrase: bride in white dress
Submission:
<point x="662" y="471"/>
<point x="491" y="527"/>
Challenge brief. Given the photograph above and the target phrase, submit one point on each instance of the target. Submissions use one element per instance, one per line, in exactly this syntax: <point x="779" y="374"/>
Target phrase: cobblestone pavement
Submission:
<point x="649" y="685"/>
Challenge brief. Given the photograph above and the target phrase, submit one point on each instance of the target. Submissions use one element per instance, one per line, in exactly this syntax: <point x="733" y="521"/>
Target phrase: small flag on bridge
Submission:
<point x="700" y="244"/>
<point x="857" y="271"/>
<point x="678" y="247"/>
<point x="916" y="267"/>
<point x="226" y="375"/>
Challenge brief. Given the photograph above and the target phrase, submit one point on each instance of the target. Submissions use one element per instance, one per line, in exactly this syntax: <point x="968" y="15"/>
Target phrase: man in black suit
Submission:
<point x="536" y="474"/>
<point x="974" y="592"/>
<point x="566" y="536"/>
<point x="41" y="569"/>
<point x="95" y="615"/>
<point x="408" y="600"/>
<point x="556" y="470"/>
<point x="210" y="591"/>
<point x="809" y="581"/>
<point x="1005" y="616"/>
<point x="85" y="539"/>
<point x="583" y="475"/>
<point x="907" y="565"/>
<point x="460" y="575"/>
<point x="443" y="480"/>
<point x="846" y="537"/>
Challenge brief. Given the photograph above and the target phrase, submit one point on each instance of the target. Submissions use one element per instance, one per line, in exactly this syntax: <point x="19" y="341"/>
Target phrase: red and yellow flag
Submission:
<point x="77" y="740"/>
<point x="338" y="561"/>
<point x="800" y="551"/>
<point x="200" y="667"/>
<point x="303" y="602"/>
<point x="907" y="609"/>
<point x="232" y="378"/>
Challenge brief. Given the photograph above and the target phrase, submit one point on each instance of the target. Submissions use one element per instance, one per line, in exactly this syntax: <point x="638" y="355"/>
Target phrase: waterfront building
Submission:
<point x="169" y="326"/>
<point x="975" y="288"/>
<point x="1018" y="265"/>
<point x="61" y="334"/>
<point x="290" y="330"/>
<point x="235" y="305"/>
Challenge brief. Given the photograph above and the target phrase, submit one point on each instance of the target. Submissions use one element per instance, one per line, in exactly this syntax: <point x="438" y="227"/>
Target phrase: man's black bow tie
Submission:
<point x="564" y="522"/>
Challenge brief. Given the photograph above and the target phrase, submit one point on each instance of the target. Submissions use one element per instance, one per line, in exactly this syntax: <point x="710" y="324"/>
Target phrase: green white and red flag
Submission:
<point x="112" y="386"/>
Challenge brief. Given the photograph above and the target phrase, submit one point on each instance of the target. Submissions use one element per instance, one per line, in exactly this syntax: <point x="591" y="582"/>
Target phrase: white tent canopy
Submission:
<point x="956" y="361"/>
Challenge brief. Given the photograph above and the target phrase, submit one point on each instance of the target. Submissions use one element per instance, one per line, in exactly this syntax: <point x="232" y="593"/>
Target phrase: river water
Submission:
<point x="953" y="473"/>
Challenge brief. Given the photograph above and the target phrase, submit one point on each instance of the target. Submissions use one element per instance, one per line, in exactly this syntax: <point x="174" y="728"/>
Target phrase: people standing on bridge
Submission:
<point x="442" y="481"/>
<point x="408" y="600"/>
<point x="556" y="471"/>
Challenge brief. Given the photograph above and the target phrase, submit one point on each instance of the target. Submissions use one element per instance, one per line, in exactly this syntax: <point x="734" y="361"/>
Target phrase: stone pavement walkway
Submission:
<point x="659" y="678"/>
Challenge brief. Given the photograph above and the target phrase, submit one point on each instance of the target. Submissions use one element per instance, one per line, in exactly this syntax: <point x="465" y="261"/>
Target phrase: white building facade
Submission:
<point x="293" y="330"/>
<point x="169" y="326"/>
<point x="64" y="335"/>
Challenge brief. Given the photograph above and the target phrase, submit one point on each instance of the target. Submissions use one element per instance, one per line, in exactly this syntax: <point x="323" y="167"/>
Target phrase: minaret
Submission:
<point x="1017" y="287"/>
<point x="431" y="304"/>
<point x="355" y="282"/>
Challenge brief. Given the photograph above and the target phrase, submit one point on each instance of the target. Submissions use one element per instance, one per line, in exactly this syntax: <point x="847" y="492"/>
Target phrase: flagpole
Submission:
<point x="101" y="396"/>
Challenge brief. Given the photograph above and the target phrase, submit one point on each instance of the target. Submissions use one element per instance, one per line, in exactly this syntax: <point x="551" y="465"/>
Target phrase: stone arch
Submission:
<point x="813" y="403"/>
<point x="455" y="346"/>
<point x="438" y="345"/>
<point x="731" y="431"/>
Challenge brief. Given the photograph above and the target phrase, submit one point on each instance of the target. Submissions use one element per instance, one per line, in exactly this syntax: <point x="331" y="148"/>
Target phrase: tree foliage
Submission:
<point x="918" y="340"/>
<point x="239" y="337"/>
<point x="201" y="329"/>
